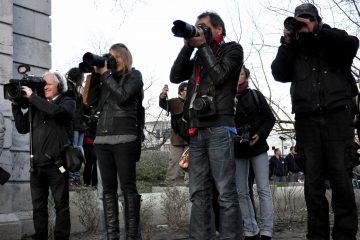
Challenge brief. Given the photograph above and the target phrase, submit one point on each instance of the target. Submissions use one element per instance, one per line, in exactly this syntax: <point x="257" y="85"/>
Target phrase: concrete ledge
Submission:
<point x="10" y="226"/>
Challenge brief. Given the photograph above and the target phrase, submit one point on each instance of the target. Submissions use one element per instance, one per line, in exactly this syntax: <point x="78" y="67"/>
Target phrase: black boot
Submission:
<point x="111" y="212"/>
<point x="132" y="216"/>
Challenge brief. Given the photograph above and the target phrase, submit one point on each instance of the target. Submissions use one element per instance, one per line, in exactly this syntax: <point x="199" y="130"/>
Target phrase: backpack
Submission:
<point x="179" y="126"/>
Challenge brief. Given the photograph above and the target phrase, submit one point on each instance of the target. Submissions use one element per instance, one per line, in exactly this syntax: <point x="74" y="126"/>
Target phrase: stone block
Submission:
<point x="32" y="24"/>
<point x="26" y="223"/>
<point x="5" y="69"/>
<point x="10" y="228"/>
<point x="32" y="51"/>
<point x="43" y="6"/>
<point x="15" y="197"/>
<point x="6" y="40"/>
<point x="6" y="11"/>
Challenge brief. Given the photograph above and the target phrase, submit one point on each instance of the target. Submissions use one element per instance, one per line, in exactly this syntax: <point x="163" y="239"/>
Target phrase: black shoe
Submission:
<point x="263" y="237"/>
<point x="256" y="237"/>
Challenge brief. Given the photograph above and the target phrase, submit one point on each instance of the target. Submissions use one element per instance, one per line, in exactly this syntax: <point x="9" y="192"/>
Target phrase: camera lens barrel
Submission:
<point x="291" y="24"/>
<point x="183" y="29"/>
<point x="93" y="60"/>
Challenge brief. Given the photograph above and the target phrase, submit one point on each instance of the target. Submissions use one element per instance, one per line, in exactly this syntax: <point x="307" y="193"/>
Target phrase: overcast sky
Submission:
<point x="145" y="27"/>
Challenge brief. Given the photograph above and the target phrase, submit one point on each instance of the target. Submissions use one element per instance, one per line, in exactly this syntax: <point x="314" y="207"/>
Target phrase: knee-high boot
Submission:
<point x="132" y="216"/>
<point x="111" y="211"/>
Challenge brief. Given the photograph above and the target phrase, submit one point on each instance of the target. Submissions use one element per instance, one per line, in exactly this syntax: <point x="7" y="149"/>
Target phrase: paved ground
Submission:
<point x="281" y="233"/>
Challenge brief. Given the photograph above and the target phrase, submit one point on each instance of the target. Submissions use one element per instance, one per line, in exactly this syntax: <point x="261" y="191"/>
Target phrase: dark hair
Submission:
<point x="276" y="149"/>
<point x="182" y="86"/>
<point x="247" y="71"/>
<point x="292" y="148"/>
<point x="215" y="20"/>
<point x="75" y="75"/>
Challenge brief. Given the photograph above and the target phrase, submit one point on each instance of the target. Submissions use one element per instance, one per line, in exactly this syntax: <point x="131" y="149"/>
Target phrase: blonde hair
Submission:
<point x="125" y="55"/>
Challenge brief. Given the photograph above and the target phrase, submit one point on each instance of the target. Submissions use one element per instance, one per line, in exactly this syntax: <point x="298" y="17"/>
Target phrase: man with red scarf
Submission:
<point x="209" y="111"/>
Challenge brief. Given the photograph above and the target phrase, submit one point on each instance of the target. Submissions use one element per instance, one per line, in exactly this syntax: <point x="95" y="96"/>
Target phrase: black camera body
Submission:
<point x="13" y="91"/>
<point x="185" y="30"/>
<point x="204" y="106"/>
<point x="244" y="134"/>
<point x="91" y="60"/>
<point x="293" y="25"/>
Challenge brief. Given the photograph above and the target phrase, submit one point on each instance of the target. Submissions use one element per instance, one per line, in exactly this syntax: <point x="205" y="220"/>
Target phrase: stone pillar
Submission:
<point x="25" y="30"/>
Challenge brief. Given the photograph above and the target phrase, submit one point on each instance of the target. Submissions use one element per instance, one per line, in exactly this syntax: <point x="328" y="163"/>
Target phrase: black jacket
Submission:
<point x="278" y="167"/>
<point x="219" y="73"/>
<point x="318" y="66"/>
<point x="175" y="107"/>
<point x="78" y="122"/>
<point x="257" y="117"/>
<point x="51" y="123"/>
<point x="118" y="98"/>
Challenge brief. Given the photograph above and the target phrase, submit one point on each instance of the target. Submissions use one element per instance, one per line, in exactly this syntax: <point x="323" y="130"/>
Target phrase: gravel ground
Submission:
<point x="280" y="233"/>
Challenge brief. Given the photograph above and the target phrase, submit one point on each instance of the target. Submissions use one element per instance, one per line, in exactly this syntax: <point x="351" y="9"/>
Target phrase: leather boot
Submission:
<point x="111" y="211"/>
<point x="132" y="216"/>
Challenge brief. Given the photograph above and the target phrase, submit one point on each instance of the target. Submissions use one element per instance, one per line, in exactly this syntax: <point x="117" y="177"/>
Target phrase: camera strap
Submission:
<point x="197" y="86"/>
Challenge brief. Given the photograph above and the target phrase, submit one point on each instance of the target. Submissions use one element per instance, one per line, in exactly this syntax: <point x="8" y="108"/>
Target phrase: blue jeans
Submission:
<point x="211" y="160"/>
<point x="280" y="179"/>
<point x="78" y="138"/>
<point x="260" y="164"/>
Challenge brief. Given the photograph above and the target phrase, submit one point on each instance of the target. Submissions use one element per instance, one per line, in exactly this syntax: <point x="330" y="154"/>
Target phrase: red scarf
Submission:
<point x="241" y="87"/>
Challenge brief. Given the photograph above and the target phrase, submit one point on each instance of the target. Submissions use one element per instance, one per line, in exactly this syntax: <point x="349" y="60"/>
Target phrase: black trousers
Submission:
<point x="44" y="178"/>
<point x="118" y="161"/>
<point x="324" y="145"/>
<point x="90" y="170"/>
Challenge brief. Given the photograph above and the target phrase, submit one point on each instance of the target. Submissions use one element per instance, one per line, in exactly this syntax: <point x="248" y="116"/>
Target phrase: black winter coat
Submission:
<point x="257" y="117"/>
<point x="51" y="123"/>
<point x="118" y="98"/>
<point x="219" y="71"/>
<point x="318" y="66"/>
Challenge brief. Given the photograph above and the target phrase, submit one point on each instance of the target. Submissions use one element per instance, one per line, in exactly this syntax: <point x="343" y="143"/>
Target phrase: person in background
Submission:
<point x="117" y="94"/>
<point x="51" y="117"/>
<point x="209" y="111"/>
<point x="254" y="122"/>
<point x="75" y="78"/>
<point x="90" y="171"/>
<point x="278" y="167"/>
<point x="294" y="170"/>
<point x="177" y="143"/>
<point x="317" y="59"/>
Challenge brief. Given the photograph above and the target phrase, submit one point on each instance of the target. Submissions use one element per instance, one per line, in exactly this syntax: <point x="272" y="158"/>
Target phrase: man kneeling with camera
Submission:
<point x="47" y="118"/>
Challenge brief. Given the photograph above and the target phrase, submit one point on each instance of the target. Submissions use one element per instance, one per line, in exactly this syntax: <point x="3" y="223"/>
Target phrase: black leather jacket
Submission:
<point x="219" y="73"/>
<point x="118" y="98"/>
<point x="50" y="126"/>
<point x="318" y="66"/>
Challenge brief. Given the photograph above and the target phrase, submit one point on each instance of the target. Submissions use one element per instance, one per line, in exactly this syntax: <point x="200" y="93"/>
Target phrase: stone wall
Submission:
<point x="25" y="30"/>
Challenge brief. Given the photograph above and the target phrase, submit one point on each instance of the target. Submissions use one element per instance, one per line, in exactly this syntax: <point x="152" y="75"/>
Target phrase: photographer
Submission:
<point x="209" y="112"/>
<point x="178" y="143"/>
<point x="50" y="116"/>
<point x="254" y="121"/>
<point x="317" y="59"/>
<point x="75" y="78"/>
<point x="118" y="95"/>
